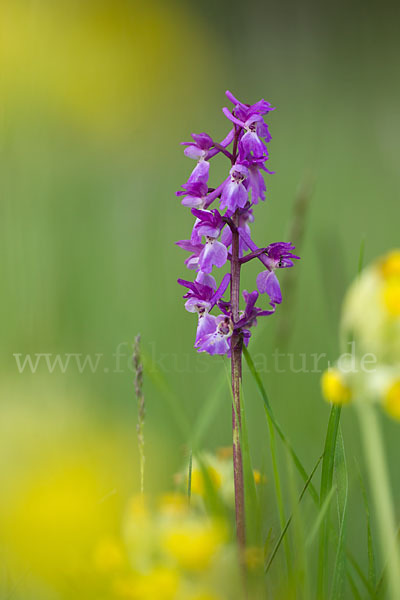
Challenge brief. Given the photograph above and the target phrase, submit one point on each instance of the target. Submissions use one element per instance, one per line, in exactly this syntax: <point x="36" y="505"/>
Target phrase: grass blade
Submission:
<point x="321" y="516"/>
<point x="284" y="530"/>
<point x="342" y="483"/>
<point x="326" y="488"/>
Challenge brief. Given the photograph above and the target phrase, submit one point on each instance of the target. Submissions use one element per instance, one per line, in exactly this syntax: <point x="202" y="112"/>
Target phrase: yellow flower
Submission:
<point x="391" y="401"/>
<point x="108" y="555"/>
<point x="160" y="583"/>
<point x="390" y="265"/>
<point x="198" y="483"/>
<point x="334" y="388"/>
<point x="173" y="504"/>
<point x="193" y="544"/>
<point x="391" y="296"/>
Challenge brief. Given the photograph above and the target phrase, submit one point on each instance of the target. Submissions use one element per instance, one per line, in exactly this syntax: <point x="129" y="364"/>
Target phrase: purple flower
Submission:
<point x="244" y="111"/>
<point x="208" y="223"/>
<point x="194" y="193"/>
<point x="235" y="194"/>
<point x="199" y="147"/>
<point x="213" y="253"/>
<point x="204" y="256"/>
<point x="251" y="144"/>
<point x="267" y="283"/>
<point x="210" y="238"/>
<point x="277" y="256"/>
<point x="216" y="341"/>
<point x="196" y="249"/>
<point x="249" y="317"/>
<point x="201" y="298"/>
<point x="198" y="150"/>
<point x="250" y="118"/>
<point x="201" y="295"/>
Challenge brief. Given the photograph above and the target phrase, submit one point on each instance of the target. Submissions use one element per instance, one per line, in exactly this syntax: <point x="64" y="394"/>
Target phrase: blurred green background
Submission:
<point x="96" y="97"/>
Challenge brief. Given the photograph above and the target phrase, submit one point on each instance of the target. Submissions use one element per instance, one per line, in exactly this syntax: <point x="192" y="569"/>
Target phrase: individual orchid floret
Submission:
<point x="199" y="296"/>
<point x="213" y="253"/>
<point x="217" y="340"/>
<point x="235" y="194"/>
<point x="249" y="317"/>
<point x="243" y="111"/>
<point x="202" y="298"/>
<point x="204" y="256"/>
<point x="195" y="249"/>
<point x="198" y="150"/>
<point x="277" y="256"/>
<point x="194" y="193"/>
<point x="209" y="222"/>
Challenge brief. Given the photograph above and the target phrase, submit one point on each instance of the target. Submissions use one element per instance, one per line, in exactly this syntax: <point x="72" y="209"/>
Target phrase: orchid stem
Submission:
<point x="236" y="366"/>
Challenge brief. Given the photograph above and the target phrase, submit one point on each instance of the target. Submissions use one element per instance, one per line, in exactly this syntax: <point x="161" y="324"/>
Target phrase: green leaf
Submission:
<point x="370" y="544"/>
<point x="321" y="516"/>
<point x="326" y="488"/>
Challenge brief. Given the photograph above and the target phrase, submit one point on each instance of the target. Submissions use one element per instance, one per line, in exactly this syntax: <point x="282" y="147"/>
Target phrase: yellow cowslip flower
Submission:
<point x="391" y="296"/>
<point x="391" y="401"/>
<point x="198" y="484"/>
<point x="173" y="504"/>
<point x="193" y="543"/>
<point x="334" y="388"/>
<point x="390" y="265"/>
<point x="108" y="555"/>
<point x="160" y="583"/>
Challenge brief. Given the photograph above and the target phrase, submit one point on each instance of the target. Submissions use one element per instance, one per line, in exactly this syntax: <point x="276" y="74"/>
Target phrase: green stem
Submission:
<point x="380" y="487"/>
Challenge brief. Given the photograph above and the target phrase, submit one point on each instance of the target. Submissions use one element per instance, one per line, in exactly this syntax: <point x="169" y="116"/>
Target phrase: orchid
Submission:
<point x="223" y="235"/>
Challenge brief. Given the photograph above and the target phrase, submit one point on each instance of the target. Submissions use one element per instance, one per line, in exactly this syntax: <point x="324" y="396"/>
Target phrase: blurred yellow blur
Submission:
<point x="101" y="64"/>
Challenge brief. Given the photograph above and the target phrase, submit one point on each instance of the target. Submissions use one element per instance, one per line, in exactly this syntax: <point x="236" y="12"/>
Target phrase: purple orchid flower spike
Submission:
<point x="228" y="330"/>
